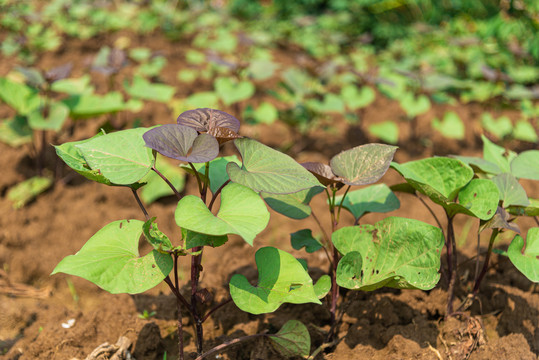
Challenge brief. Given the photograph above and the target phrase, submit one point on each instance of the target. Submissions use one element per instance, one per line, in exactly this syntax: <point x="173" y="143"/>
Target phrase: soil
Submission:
<point x="503" y="323"/>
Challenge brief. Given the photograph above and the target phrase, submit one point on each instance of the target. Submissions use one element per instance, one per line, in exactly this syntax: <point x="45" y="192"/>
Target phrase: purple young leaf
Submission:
<point x="323" y="173"/>
<point x="203" y="120"/>
<point x="176" y="141"/>
<point x="223" y="134"/>
<point x="59" y="72"/>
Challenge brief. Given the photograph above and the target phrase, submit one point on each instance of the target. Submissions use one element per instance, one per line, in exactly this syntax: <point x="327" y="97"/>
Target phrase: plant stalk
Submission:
<point x="141" y="205"/>
<point x="224" y="345"/>
<point x="220" y="305"/>
<point x="493" y="236"/>
<point x="451" y="248"/>
<point x="195" y="275"/>
<point x="178" y="195"/>
<point x="217" y="193"/>
<point x="199" y="182"/>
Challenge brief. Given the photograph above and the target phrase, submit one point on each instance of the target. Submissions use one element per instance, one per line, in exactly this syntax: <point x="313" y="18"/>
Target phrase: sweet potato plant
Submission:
<point x="394" y="252"/>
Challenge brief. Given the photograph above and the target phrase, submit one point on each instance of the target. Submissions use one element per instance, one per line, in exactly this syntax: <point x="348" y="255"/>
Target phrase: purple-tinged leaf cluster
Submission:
<point x="182" y="143"/>
<point x="217" y="123"/>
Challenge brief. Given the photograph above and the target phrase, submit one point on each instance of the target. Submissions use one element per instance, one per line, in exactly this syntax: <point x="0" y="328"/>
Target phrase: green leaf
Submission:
<point x="479" y="198"/>
<point x="266" y="113"/>
<point x="530" y="210"/>
<point x="439" y="178"/>
<point x="268" y="170"/>
<point x="193" y="239"/>
<point x="24" y="192"/>
<point x="242" y="212"/>
<point x="497" y="154"/>
<point x="451" y="126"/>
<point x="322" y="286"/>
<point x="526" y="165"/>
<point x="22" y="98"/>
<point x="296" y="205"/>
<point x="281" y="279"/>
<point x="524" y="131"/>
<point x="500" y="127"/>
<point x="73" y="157"/>
<point x="357" y="99"/>
<point x="262" y="69"/>
<point x="57" y="116"/>
<point x="156" y="187"/>
<point x="232" y="91"/>
<point x="15" y="132"/>
<point x="292" y="340"/>
<point x="510" y="191"/>
<point x="218" y="175"/>
<point x="201" y="100"/>
<point x="90" y="105"/>
<point x="414" y="106"/>
<point x="74" y="86"/>
<point x="155" y="237"/>
<point x="526" y="260"/>
<point x="364" y="164"/>
<point x="305" y="238"/>
<point x="386" y="131"/>
<point x="110" y="259"/>
<point x="394" y="252"/>
<point x="479" y="163"/>
<point x="376" y="198"/>
<point x="121" y="157"/>
<point x="143" y="89"/>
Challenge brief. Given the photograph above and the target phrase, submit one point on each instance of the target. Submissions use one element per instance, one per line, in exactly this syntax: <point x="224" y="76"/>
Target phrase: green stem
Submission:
<point x="340" y="204"/>
<point x="199" y="182"/>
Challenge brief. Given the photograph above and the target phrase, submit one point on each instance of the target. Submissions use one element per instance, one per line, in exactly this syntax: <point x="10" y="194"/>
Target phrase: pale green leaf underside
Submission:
<point x="282" y="279"/>
<point x="110" y="259"/>
<point x="376" y="198"/>
<point x="526" y="165"/>
<point x="268" y="170"/>
<point x="296" y="205"/>
<point x="510" y="190"/>
<point x="242" y="212"/>
<point x="395" y="252"/>
<point x="122" y="157"/>
<point x="439" y="178"/>
<point x="527" y="263"/>
<point x="292" y="340"/>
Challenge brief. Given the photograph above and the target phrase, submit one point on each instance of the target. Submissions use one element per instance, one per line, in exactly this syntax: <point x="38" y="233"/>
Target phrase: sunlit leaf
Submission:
<point x="526" y="260"/>
<point x="376" y="198"/>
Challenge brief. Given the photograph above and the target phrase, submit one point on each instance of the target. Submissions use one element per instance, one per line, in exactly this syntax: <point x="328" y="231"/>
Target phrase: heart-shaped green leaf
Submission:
<point x="296" y="205"/>
<point x="121" y="157"/>
<point x="268" y="170"/>
<point x="281" y="279"/>
<point x="386" y="131"/>
<point x="242" y="212"/>
<point x="89" y="105"/>
<point x="292" y="340"/>
<point x="439" y="178"/>
<point x="57" y="115"/>
<point x="480" y="164"/>
<point x="526" y="165"/>
<point x="413" y="106"/>
<point x="231" y="91"/>
<point x="451" y="126"/>
<point x="356" y="99"/>
<point x="527" y="261"/>
<point x="20" y="97"/>
<point x="110" y="259"/>
<point x="394" y="252"/>
<point x="479" y="198"/>
<point x="182" y="143"/>
<point x="143" y="89"/>
<point x="305" y="238"/>
<point x="364" y="164"/>
<point x="524" y="131"/>
<point x="500" y="127"/>
<point x="510" y="190"/>
<point x="376" y="198"/>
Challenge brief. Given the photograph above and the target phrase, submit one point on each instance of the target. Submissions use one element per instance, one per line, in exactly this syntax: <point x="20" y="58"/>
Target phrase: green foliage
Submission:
<point x="524" y="254"/>
<point x="395" y="252"/>
<point x="282" y="279"/>
<point x="242" y="212"/>
<point x="111" y="260"/>
<point x="386" y="131"/>
<point x="451" y="126"/>
<point x="376" y="198"/>
<point x="304" y="238"/>
<point x="27" y="190"/>
<point x="292" y="339"/>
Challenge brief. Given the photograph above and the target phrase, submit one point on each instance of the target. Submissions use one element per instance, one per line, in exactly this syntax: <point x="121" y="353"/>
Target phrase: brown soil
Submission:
<point x="385" y="324"/>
